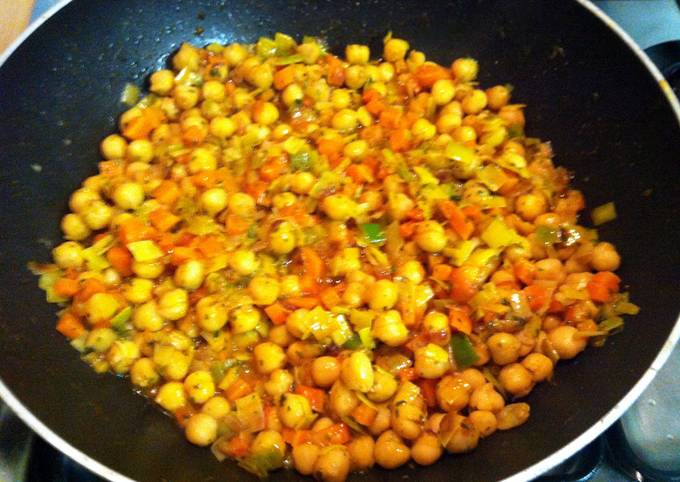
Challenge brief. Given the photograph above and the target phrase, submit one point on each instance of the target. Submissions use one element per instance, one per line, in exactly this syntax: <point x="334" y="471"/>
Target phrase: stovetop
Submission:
<point x="644" y="445"/>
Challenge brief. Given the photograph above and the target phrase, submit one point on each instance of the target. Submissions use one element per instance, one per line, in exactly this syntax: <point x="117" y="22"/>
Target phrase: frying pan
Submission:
<point x="588" y="90"/>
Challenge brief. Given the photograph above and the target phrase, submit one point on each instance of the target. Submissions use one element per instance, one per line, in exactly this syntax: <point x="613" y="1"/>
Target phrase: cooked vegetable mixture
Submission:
<point x="328" y="263"/>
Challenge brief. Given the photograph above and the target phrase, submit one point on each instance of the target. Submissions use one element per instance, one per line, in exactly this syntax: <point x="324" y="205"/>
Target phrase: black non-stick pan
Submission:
<point x="588" y="89"/>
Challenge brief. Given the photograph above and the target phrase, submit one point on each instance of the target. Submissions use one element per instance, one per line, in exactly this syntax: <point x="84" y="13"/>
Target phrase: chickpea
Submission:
<point x="81" y="198"/>
<point x="148" y="270"/>
<point x="143" y="373"/>
<point x="464" y="69"/>
<point x="201" y="160"/>
<point x="101" y="307"/>
<point x="486" y="398"/>
<point x="146" y="317"/>
<point x="566" y="342"/>
<point x="605" y="257"/>
<point x="412" y="270"/>
<point x="122" y="355"/>
<point x="458" y="434"/>
<point x="264" y="290"/>
<point x="431" y="361"/>
<point x="357" y="372"/>
<point x="213" y="90"/>
<point x="217" y="407"/>
<point x="280" y="381"/>
<point x="186" y="57"/>
<point x="244" y="262"/>
<point x="344" y="120"/>
<point x="245" y="318"/>
<point x="241" y="204"/>
<point x="201" y="429"/>
<point x="356" y="150"/>
<point x="265" y="113"/>
<point x="384" y="386"/>
<point x="513" y="416"/>
<point x="74" y="227"/>
<point x="222" y="127"/>
<point x="128" y="195"/>
<point x="539" y="365"/>
<point x="453" y="393"/>
<point x="516" y="379"/>
<point x="390" y="451"/>
<point x="310" y="52"/>
<point x="200" y="386"/>
<point x="430" y="236"/>
<point x="473" y="377"/>
<point x="113" y="146"/>
<point x="214" y="200"/>
<point x="295" y="411"/>
<point x="322" y="424"/>
<point x="448" y="122"/>
<point x="269" y="357"/>
<point x="190" y="274"/>
<point x="474" y="102"/>
<point x="530" y="206"/>
<point x="100" y="339"/>
<point x="97" y="215"/>
<point x="186" y="96"/>
<point x="383" y="295"/>
<point x="389" y="328"/>
<point x="484" y="421"/>
<point x="435" y="322"/>
<point x="339" y="207"/>
<point x="171" y="396"/>
<point x="443" y="91"/>
<point x="423" y="130"/>
<point x="292" y="95"/>
<point x="504" y="348"/>
<point x="282" y="240"/>
<point x="211" y="315"/>
<point x="261" y="76"/>
<point x="426" y="450"/>
<point x="174" y="304"/>
<point x="290" y="285"/>
<point x="162" y="82"/>
<point x="68" y="255"/>
<point x="297" y="323"/>
<point x="361" y="452"/>
<point x="399" y="204"/>
<point x="269" y="442"/>
<point x="325" y="371"/>
<point x="234" y="54"/>
<point x="304" y="457"/>
<point x="333" y="463"/>
<point x="302" y="182"/>
<point x="342" y="399"/>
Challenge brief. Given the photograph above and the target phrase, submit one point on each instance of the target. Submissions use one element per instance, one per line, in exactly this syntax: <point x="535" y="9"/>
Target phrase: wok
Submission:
<point x="588" y="90"/>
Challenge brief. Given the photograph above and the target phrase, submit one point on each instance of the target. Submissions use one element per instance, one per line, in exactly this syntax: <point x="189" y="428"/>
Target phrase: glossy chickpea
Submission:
<point x="539" y="365"/>
<point x="269" y="357"/>
<point x="423" y="130"/>
<point x="264" y="290"/>
<point x="504" y="348"/>
<point x="146" y="317"/>
<point x="200" y="386"/>
<point x="202" y="159"/>
<point x="280" y="382"/>
<point x="389" y="328"/>
<point x="292" y="95"/>
<point x="516" y="379"/>
<point x="431" y="361"/>
<point x="338" y="207"/>
<point x="383" y="295"/>
<point x="295" y="411"/>
<point x="143" y="373"/>
<point x="325" y="371"/>
<point x="399" y="204"/>
<point x="244" y="319"/>
<point x="484" y="421"/>
<point x="443" y="91"/>
<point x="412" y="270"/>
<point x="605" y="257"/>
<point x="174" y="304"/>
<point x="332" y="464"/>
<point x="550" y="269"/>
<point x="113" y="147"/>
<point x="342" y="400"/>
<point x="344" y="120"/>
<point x="427" y="449"/>
<point x="473" y="377"/>
<point x="190" y="274"/>
<point x="214" y="200"/>
<point x="530" y="206"/>
<point x="498" y="96"/>
<point x="234" y="54"/>
<point x="217" y="407"/>
<point x="464" y="134"/>
<point x="161" y="82"/>
<point x="458" y="434"/>
<point x="261" y="76"/>
<point x="265" y="113"/>
<point x="304" y="457"/>
<point x="122" y="355"/>
<point x="74" y="227"/>
<point x="465" y="69"/>
<point x="201" y="429"/>
<point x="171" y="396"/>
<point x="101" y="307"/>
<point x="81" y="198"/>
<point x="430" y="236"/>
<point x="68" y="255"/>
<point x="390" y="451"/>
<point x="357" y="372"/>
<point x="222" y="127"/>
<point x="566" y="341"/>
<point x="486" y="398"/>
<point x="395" y="49"/>
<point x="244" y="262"/>
<point x="384" y="387"/>
<point x="186" y="96"/>
<point x="97" y="215"/>
<point x="452" y="393"/>
<point x="302" y="182"/>
<point x="282" y="240"/>
<point x="290" y="285"/>
<point x="474" y="102"/>
<point x="241" y="204"/>
<point x="361" y="452"/>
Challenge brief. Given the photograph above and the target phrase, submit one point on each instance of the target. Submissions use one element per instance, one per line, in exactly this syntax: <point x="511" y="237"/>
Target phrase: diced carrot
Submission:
<point x="70" y="326"/>
<point x="210" y="245"/>
<point x="89" y="287"/>
<point x="360" y="173"/>
<point x="370" y="94"/>
<point x="307" y="302"/>
<point x="408" y="374"/>
<point x="167" y="192"/>
<point x="537" y="296"/>
<point x="462" y="288"/>
<point x="316" y="397"/>
<point x="459" y="319"/>
<point x="426" y="75"/>
<point x="121" y="260"/>
<point x="555" y="307"/>
<point x="457" y="219"/>
<point x="256" y="190"/>
<point x="442" y="272"/>
<point x="598" y="292"/>
<point x="336" y="434"/>
<point x="66" y="287"/>
<point x="400" y="140"/>
<point x="238" y="446"/>
<point x="240" y="388"/>
<point x="194" y="135"/>
<point x="331" y="148"/>
<point x="180" y="254"/>
<point x="390" y="117"/>
<point x="364" y="414"/>
<point x="140" y="127"/>
<point x="277" y="313"/>
<point x="296" y="437"/>
<point x="473" y="212"/>
<point x="134" y="229"/>
<point x="372" y="134"/>
<point x="273" y="168"/>
<point x="525" y="271"/>
<point x="312" y="263"/>
<point x="236" y="224"/>
<point x="111" y="168"/>
<point x="335" y="72"/>
<point x="608" y="279"/>
<point x="330" y="298"/>
<point x="205" y="179"/>
<point x="428" y="388"/>
<point x="284" y="77"/>
<point x="308" y="284"/>
<point x="407" y="229"/>
<point x="163" y="220"/>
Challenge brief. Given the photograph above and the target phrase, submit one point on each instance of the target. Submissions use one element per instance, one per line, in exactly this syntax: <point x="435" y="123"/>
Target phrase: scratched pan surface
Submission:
<point x="585" y="89"/>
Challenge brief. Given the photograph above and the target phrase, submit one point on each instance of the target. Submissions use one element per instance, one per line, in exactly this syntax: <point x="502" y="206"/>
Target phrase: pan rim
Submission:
<point x="528" y="473"/>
